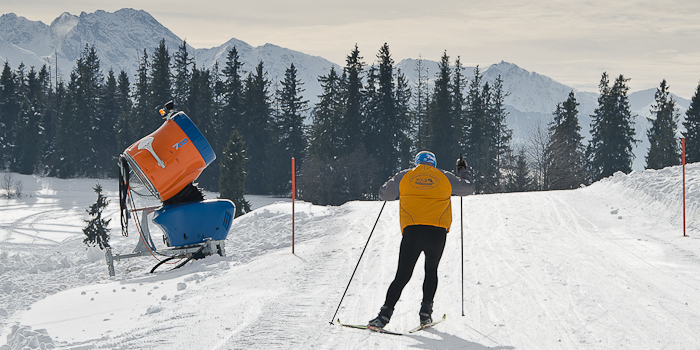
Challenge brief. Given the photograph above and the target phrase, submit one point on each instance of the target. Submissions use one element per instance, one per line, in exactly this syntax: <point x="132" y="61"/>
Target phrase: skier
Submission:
<point x="426" y="215"/>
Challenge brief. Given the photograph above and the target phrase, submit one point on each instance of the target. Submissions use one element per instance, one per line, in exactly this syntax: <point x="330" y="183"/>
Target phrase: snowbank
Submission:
<point x="660" y="192"/>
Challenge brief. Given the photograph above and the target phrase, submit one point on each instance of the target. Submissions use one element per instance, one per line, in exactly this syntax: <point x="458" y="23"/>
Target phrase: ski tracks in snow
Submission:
<point x="305" y="280"/>
<point x="575" y="284"/>
<point x="26" y="230"/>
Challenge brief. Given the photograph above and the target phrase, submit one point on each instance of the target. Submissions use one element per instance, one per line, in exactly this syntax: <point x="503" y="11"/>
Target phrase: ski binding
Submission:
<point x="369" y="328"/>
<point x="428" y="325"/>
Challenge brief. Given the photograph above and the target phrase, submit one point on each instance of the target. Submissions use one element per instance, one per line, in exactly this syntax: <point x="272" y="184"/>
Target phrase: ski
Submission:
<point x="426" y="326"/>
<point x="369" y="328"/>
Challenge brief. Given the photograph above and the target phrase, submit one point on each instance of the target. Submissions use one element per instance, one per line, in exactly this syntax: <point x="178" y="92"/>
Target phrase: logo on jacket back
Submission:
<point x="424" y="181"/>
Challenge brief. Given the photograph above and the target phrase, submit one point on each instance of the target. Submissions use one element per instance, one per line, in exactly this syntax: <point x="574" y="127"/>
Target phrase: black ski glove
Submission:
<point x="461" y="166"/>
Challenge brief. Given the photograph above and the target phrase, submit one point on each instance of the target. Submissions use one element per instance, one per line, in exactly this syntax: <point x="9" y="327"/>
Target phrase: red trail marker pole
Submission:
<point x="293" y="198"/>
<point x="683" y="142"/>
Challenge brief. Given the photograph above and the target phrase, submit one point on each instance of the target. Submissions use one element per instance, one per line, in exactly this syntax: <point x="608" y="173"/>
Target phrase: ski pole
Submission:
<point x="461" y="224"/>
<point x="461" y="237"/>
<point x="358" y="263"/>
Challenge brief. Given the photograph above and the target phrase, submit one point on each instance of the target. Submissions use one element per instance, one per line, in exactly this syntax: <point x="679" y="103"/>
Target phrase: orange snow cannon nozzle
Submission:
<point x="171" y="157"/>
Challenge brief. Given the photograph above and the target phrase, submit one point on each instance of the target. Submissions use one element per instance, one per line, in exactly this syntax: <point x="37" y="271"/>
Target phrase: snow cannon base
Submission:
<point x="194" y="222"/>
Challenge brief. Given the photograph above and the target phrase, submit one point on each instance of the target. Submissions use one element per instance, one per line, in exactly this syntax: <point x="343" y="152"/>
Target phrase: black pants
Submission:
<point x="416" y="239"/>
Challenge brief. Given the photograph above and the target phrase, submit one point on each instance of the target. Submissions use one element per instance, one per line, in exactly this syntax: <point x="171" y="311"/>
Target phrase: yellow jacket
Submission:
<point x="424" y="195"/>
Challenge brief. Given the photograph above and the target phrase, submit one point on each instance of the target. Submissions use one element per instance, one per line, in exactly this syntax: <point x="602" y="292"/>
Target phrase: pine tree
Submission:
<point x="9" y="111"/>
<point x="255" y="129"/>
<point x="420" y="125"/>
<point x="441" y="114"/>
<point x="501" y="135"/>
<point x="80" y="121"/>
<point x="386" y="128"/>
<point x="66" y="135"/>
<point x="232" y="178"/>
<point x="692" y="127"/>
<point x="480" y="130"/>
<point x="50" y="101"/>
<point x="369" y="107"/>
<point x="354" y="96"/>
<point x="664" y="149"/>
<point x="181" y="84"/>
<point x="612" y="131"/>
<point x="88" y="100"/>
<point x="125" y="135"/>
<point x="29" y="132"/>
<point x="142" y="118"/>
<point x="233" y="93"/>
<point x="293" y="108"/>
<point x="488" y="179"/>
<point x="110" y="110"/>
<point x="324" y="139"/>
<point x="160" y="84"/>
<point x="201" y="108"/>
<point x="459" y="105"/>
<point x="51" y="156"/>
<point x="403" y="110"/>
<point x="566" y="147"/>
<point x="520" y="179"/>
<point x="96" y="231"/>
<point x="290" y="135"/>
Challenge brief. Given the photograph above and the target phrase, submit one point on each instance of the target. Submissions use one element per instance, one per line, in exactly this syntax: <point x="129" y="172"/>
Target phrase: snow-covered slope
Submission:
<point x="602" y="267"/>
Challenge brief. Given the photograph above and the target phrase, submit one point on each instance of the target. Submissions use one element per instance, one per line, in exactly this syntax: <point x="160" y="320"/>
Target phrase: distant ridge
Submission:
<point x="121" y="37"/>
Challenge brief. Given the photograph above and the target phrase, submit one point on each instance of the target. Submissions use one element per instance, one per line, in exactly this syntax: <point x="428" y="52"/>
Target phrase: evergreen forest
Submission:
<point x="367" y="125"/>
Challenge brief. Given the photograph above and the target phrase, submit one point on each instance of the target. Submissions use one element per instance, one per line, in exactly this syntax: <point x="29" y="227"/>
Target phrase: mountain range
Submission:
<point x="121" y="37"/>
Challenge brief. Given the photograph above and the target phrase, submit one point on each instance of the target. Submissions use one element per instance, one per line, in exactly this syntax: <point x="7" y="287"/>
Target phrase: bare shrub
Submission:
<point x="18" y="187"/>
<point x="6" y="181"/>
<point x="9" y="187"/>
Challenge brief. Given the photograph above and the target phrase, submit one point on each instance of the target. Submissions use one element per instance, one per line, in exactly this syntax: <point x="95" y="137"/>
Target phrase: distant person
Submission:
<point x="424" y="194"/>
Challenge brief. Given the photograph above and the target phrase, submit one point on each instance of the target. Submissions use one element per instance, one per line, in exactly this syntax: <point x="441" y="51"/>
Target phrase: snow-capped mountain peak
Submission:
<point x="121" y="37"/>
<point x="63" y="24"/>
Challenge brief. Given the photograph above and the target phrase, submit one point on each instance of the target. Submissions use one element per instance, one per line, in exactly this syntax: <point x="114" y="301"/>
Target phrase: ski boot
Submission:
<point x="382" y="318"/>
<point x="425" y="313"/>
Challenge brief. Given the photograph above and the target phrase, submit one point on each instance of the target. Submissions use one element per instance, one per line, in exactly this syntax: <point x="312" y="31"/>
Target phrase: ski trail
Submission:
<point x="308" y="280"/>
<point x="548" y="288"/>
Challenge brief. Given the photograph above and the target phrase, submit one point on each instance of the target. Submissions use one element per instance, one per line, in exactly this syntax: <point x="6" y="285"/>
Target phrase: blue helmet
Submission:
<point x="426" y="157"/>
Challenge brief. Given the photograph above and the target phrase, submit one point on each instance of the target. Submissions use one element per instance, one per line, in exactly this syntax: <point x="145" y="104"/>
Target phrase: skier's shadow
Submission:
<point x="449" y="341"/>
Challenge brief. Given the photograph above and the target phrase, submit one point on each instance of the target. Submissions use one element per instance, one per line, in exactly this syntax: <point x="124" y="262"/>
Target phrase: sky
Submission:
<point x="572" y="42"/>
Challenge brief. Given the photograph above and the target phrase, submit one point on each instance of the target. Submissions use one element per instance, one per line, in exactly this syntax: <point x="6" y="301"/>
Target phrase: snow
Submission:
<point x="600" y="267"/>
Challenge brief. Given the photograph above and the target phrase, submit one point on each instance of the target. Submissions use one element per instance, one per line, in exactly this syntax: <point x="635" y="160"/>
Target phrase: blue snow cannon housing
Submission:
<point x="192" y="222"/>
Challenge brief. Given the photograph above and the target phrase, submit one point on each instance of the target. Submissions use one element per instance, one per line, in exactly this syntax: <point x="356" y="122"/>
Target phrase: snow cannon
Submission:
<point x="212" y="219"/>
<point x="163" y="166"/>
<point x="170" y="158"/>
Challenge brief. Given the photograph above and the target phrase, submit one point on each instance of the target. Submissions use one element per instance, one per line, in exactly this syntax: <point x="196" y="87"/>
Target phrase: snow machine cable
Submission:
<point x="358" y="263"/>
<point x="130" y="202"/>
<point x="194" y="255"/>
<point x="141" y="235"/>
<point x="124" y="194"/>
<point x="161" y="262"/>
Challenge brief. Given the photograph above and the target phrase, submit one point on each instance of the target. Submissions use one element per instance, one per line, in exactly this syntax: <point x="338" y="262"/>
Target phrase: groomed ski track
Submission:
<point x="602" y="267"/>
